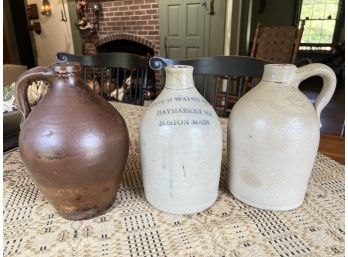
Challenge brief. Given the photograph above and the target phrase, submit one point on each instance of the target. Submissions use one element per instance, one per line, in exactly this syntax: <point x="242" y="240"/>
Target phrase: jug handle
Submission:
<point x="22" y="84"/>
<point x="329" y="83"/>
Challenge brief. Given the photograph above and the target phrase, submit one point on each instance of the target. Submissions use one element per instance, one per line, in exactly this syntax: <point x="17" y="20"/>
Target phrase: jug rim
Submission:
<point x="279" y="72"/>
<point x="179" y="67"/>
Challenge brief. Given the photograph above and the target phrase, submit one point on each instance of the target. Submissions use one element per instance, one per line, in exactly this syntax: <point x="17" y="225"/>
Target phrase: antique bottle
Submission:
<point x="73" y="143"/>
<point x="181" y="147"/>
<point x="273" y="137"/>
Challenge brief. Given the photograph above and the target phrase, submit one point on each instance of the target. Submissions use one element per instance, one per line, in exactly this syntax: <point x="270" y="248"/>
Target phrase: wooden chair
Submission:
<point x="115" y="76"/>
<point x="220" y="73"/>
<point x="277" y="44"/>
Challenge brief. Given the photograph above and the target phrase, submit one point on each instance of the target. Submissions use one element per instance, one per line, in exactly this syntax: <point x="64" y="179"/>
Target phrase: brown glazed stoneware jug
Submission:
<point x="73" y="143"/>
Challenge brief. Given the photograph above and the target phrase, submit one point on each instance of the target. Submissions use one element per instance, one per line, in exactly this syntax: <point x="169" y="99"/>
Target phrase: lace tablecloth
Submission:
<point x="133" y="228"/>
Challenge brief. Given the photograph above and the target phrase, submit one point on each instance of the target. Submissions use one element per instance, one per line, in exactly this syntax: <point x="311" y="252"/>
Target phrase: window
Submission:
<point x="320" y="16"/>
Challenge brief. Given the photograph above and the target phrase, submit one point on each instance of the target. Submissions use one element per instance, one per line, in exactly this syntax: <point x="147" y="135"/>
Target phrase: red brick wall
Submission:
<point x="136" y="20"/>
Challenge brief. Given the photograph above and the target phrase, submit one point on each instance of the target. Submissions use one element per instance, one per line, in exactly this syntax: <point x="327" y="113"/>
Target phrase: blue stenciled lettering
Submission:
<point x="174" y="123"/>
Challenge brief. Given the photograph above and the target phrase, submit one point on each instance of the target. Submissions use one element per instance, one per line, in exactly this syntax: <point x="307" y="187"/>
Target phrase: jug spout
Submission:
<point x="179" y="77"/>
<point x="279" y="73"/>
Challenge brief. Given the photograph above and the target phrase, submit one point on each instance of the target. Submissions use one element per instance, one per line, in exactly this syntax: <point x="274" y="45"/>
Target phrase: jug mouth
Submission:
<point x="279" y="72"/>
<point x="179" y="76"/>
<point x="179" y="67"/>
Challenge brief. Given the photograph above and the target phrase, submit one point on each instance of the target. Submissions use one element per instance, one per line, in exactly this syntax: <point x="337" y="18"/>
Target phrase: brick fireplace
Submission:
<point x="126" y="26"/>
<point x="125" y="20"/>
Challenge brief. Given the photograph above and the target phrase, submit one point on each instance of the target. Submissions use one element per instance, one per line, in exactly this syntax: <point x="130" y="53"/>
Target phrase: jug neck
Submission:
<point x="179" y="77"/>
<point x="279" y="73"/>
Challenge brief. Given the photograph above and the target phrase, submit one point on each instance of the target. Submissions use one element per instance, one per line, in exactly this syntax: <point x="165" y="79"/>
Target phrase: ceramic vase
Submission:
<point x="73" y="143"/>
<point x="181" y="147"/>
<point x="273" y="137"/>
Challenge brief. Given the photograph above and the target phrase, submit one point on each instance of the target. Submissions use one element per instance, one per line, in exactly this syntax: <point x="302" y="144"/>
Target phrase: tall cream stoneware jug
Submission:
<point x="181" y="147"/>
<point x="273" y="137"/>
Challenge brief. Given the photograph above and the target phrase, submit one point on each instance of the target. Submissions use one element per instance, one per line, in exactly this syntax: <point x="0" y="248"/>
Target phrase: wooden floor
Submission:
<point x="332" y="146"/>
<point x="332" y="119"/>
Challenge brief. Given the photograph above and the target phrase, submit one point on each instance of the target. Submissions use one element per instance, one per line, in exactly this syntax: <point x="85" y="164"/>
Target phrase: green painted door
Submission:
<point x="191" y="28"/>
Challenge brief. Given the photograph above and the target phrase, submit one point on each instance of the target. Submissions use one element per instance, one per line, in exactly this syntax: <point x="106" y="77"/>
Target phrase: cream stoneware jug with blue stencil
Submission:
<point x="180" y="147"/>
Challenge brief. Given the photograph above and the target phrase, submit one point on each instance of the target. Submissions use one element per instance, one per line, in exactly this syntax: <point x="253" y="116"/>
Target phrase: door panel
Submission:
<point x="188" y="30"/>
<point x="192" y="53"/>
<point x="182" y="28"/>
<point x="192" y="20"/>
<point x="173" y="16"/>
<point x="174" y="52"/>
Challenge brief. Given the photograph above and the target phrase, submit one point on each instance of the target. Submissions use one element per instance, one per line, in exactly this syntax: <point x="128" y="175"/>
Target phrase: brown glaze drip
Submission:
<point x="74" y="145"/>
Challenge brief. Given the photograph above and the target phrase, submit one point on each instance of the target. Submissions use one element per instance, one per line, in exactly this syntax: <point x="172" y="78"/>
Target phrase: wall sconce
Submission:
<point x="46" y="8"/>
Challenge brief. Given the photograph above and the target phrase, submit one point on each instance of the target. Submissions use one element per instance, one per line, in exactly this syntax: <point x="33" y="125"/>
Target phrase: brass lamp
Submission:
<point x="46" y="8"/>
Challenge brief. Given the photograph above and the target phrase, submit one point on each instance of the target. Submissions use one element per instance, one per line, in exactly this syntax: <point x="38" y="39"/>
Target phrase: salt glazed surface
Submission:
<point x="181" y="147"/>
<point x="273" y="137"/>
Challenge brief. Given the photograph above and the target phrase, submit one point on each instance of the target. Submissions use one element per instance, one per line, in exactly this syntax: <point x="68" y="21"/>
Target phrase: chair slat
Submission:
<point x="136" y="86"/>
<point x="205" y="86"/>
<point x="240" y="86"/>
<point x="85" y="76"/>
<point x="117" y="82"/>
<point x="104" y="67"/>
<point x="94" y="78"/>
<point x="226" y="94"/>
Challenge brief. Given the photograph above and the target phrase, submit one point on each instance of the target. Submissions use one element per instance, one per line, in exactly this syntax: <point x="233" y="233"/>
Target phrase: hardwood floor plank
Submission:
<point x="333" y="146"/>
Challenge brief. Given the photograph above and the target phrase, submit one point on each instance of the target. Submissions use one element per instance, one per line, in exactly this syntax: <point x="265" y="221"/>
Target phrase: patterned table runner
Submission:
<point x="133" y="228"/>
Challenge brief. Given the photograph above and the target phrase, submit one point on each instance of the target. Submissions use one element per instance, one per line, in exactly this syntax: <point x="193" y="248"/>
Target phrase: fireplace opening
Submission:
<point x="126" y="46"/>
<point x="129" y="46"/>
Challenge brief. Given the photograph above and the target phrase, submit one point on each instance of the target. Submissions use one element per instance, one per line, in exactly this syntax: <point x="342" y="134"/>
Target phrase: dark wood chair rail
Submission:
<point x="217" y="65"/>
<point x="119" y="59"/>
